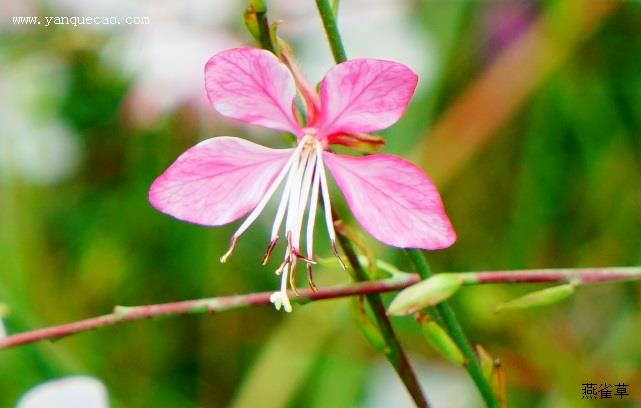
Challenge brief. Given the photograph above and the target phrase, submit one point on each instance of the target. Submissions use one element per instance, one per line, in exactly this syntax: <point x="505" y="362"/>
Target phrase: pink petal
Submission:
<point x="364" y="95"/>
<point x="217" y="181"/>
<point x="252" y="85"/>
<point x="393" y="200"/>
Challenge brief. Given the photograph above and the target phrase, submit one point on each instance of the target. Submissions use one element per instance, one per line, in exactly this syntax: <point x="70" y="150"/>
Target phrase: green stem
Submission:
<point x="335" y="5"/>
<point x="331" y="30"/>
<point x="396" y="355"/>
<point x="456" y="331"/>
<point x="263" y="25"/>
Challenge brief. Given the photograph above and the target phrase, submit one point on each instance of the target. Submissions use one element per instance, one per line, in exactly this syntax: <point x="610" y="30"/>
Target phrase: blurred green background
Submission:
<point x="528" y="117"/>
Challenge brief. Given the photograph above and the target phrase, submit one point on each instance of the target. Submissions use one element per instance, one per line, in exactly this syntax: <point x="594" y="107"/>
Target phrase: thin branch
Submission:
<point x="578" y="276"/>
<point x="400" y="281"/>
<point x="124" y="314"/>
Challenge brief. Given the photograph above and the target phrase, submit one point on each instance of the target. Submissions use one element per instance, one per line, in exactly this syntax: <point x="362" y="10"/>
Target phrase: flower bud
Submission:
<point x="368" y="328"/>
<point x="258" y="6"/>
<point x="438" y="338"/>
<point x="426" y="293"/>
<point x="485" y="361"/>
<point x="539" y="298"/>
<point x="251" y="22"/>
<point x="498" y="383"/>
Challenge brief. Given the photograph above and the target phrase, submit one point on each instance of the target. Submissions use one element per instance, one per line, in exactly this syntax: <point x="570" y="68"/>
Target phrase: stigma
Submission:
<point x="304" y="182"/>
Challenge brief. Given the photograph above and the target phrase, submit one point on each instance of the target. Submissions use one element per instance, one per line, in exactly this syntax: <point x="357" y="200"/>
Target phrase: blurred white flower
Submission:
<point x="3" y="331"/>
<point x="166" y="57"/>
<point x="34" y="144"/>
<point x="197" y="12"/>
<point x="168" y="62"/>
<point x="71" y="392"/>
<point x="17" y="8"/>
<point x="446" y="386"/>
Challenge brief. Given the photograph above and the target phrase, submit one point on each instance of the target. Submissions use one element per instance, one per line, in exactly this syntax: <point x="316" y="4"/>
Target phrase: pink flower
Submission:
<point x="224" y="178"/>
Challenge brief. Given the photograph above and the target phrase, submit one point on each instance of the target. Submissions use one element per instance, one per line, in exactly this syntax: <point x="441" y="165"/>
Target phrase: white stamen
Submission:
<point x="305" y="181"/>
<point x="325" y="194"/>
<point x="282" y="205"/>
<point x="311" y="216"/>
<point x="304" y="196"/>
<point x="294" y="197"/>
<point x="268" y="194"/>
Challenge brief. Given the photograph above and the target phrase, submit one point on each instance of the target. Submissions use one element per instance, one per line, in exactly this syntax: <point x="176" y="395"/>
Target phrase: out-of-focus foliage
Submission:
<point x="82" y="135"/>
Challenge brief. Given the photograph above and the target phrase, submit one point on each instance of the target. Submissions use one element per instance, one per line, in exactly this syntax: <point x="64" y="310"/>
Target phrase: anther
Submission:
<point x="281" y="268"/>
<point x="224" y="258"/>
<point x="269" y="250"/>
<point x="310" y="278"/>
<point x="340" y="260"/>
<point x="303" y="257"/>
<point x="292" y="277"/>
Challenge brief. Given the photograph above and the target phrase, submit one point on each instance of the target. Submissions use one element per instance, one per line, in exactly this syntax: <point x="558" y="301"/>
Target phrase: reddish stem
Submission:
<point x="578" y="275"/>
<point x="219" y="304"/>
<point x="211" y="305"/>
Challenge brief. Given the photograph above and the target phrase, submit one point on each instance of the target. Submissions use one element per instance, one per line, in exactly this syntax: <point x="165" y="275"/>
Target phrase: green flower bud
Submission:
<point x="258" y="5"/>
<point x="486" y="362"/>
<point x="539" y="298"/>
<point x="251" y="22"/>
<point x="438" y="338"/>
<point x="426" y="293"/>
<point x="371" y="332"/>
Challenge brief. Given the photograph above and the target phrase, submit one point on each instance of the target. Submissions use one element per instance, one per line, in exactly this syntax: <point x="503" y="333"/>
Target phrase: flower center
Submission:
<point x="304" y="179"/>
